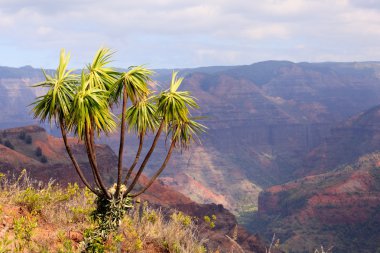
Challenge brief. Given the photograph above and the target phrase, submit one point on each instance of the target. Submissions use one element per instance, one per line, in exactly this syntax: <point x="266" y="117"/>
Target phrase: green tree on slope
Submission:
<point x="81" y="105"/>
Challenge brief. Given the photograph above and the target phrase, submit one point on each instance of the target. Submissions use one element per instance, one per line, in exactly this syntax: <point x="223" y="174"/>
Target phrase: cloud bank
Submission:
<point x="168" y="33"/>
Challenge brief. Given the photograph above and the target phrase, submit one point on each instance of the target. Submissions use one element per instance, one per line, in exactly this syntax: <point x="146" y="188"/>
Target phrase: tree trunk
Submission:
<point x="73" y="160"/>
<point x="136" y="159"/>
<point x="91" y="159"/>
<point x="121" y="145"/>
<point x="158" y="172"/>
<point x="146" y="159"/>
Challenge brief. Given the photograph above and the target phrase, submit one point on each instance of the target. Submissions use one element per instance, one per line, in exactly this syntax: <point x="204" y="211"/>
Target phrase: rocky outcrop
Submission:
<point x="357" y="136"/>
<point x="326" y="209"/>
<point x="44" y="156"/>
<point x="263" y="119"/>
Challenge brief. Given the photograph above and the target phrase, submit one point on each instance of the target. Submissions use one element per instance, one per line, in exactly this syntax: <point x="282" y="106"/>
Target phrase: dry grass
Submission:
<point x="48" y="218"/>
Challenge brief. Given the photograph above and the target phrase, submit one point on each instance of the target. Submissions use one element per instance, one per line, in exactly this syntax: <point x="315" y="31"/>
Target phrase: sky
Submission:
<point x="188" y="33"/>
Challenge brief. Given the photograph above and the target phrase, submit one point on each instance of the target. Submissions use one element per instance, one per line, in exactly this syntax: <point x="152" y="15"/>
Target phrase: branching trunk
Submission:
<point x="129" y="173"/>
<point x="172" y="145"/>
<point x="92" y="167"/>
<point x="146" y="159"/>
<point x="73" y="160"/>
<point x="92" y="160"/>
<point x="121" y="145"/>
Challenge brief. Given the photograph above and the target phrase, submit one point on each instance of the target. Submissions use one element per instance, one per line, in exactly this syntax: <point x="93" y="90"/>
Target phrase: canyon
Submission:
<point x="274" y="126"/>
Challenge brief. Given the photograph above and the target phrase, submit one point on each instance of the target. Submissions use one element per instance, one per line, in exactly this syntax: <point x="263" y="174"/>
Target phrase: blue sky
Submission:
<point x="173" y="33"/>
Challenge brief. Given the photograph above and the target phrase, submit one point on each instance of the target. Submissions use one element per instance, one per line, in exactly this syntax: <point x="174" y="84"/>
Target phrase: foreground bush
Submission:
<point x="48" y="218"/>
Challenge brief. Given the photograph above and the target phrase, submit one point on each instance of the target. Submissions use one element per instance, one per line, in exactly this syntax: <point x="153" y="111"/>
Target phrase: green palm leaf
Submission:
<point x="91" y="109"/>
<point x="57" y="102"/>
<point x="183" y="133"/>
<point x="99" y="75"/>
<point x="135" y="81"/>
<point x="173" y="105"/>
<point x="141" y="117"/>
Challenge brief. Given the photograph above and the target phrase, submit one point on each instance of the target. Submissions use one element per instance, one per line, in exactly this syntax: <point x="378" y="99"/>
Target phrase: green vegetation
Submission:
<point x="38" y="152"/>
<point x="8" y="144"/>
<point x="22" y="135"/>
<point x="48" y="218"/>
<point x="81" y="105"/>
<point x="43" y="159"/>
<point x="28" y="139"/>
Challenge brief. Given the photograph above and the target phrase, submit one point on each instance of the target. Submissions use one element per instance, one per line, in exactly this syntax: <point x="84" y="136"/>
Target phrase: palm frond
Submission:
<point x="183" y="133"/>
<point x="56" y="103"/>
<point x="174" y="105"/>
<point x="141" y="117"/>
<point x="135" y="81"/>
<point x="91" y="109"/>
<point x="98" y="74"/>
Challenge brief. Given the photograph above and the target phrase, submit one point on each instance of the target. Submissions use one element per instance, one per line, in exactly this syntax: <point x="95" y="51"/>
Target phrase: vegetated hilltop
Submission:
<point x="24" y="148"/>
<point x="263" y="119"/>
<point x="339" y="209"/>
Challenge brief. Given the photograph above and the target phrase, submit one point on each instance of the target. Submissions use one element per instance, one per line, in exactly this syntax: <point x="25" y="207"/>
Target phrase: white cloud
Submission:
<point x="169" y="33"/>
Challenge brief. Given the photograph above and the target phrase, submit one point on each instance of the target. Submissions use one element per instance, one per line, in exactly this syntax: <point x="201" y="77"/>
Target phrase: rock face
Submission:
<point x="339" y="209"/>
<point x="44" y="156"/>
<point x="349" y="140"/>
<point x="262" y="118"/>
<point x="335" y="204"/>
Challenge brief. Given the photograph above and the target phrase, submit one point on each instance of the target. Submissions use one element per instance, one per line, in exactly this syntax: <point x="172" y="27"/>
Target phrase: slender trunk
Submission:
<point x="73" y="160"/>
<point x="172" y="145"/>
<point x="92" y="141"/>
<point x="146" y="159"/>
<point x="92" y="167"/>
<point x="91" y="159"/>
<point x="121" y="145"/>
<point x="93" y="149"/>
<point x="136" y="159"/>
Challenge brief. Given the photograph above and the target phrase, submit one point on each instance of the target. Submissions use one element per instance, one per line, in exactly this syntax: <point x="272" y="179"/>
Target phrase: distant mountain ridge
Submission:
<point x="336" y="199"/>
<point x="263" y="119"/>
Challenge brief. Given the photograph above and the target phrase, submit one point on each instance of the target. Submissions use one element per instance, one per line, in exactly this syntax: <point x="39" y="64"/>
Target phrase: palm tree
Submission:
<point x="133" y="85"/>
<point x="173" y="114"/>
<point x="56" y="105"/>
<point x="82" y="105"/>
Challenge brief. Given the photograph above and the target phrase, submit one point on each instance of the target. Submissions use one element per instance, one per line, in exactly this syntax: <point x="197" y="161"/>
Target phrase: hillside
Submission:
<point x="263" y="119"/>
<point x="337" y="199"/>
<point x="348" y="141"/>
<point x="44" y="156"/>
<point x="22" y="155"/>
<point x="338" y="209"/>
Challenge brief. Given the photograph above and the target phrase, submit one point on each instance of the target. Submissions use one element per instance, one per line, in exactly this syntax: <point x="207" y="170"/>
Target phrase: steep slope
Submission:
<point x="349" y="140"/>
<point x="23" y="155"/>
<point x="44" y="156"/>
<point x="262" y="118"/>
<point x="340" y="208"/>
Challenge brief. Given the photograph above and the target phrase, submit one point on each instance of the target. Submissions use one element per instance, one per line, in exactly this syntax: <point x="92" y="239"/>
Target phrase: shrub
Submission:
<point x="38" y="152"/>
<point x="24" y="227"/>
<point x="8" y="144"/>
<point x="43" y="159"/>
<point x="28" y="139"/>
<point x="22" y="135"/>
